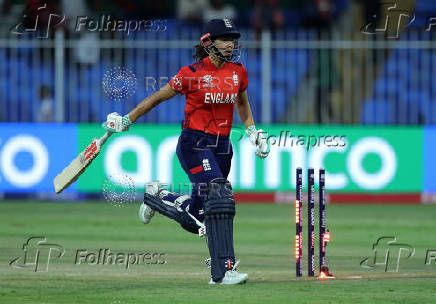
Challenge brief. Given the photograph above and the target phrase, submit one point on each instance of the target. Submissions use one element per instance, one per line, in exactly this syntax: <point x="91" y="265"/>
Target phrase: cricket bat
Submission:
<point x="71" y="173"/>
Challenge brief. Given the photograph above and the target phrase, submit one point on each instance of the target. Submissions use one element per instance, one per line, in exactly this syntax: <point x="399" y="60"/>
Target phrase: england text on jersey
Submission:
<point x="211" y="94"/>
<point x="220" y="98"/>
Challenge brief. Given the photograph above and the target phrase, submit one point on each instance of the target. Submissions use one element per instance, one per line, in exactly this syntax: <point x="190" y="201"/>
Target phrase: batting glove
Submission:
<point x="259" y="139"/>
<point x="116" y="123"/>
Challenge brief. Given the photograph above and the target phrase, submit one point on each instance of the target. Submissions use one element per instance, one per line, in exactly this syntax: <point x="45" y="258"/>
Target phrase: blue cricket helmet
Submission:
<point x="216" y="28"/>
<point x="221" y="27"/>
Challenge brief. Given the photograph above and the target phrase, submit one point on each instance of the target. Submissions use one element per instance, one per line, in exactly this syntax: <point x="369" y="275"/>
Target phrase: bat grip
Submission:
<point x="103" y="139"/>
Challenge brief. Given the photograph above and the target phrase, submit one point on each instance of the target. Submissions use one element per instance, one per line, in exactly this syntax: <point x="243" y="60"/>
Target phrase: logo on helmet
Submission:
<point x="227" y="23"/>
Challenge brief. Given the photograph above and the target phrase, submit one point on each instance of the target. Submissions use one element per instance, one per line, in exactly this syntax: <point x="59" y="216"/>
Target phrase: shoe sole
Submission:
<point x="152" y="189"/>
<point x="143" y="214"/>
<point x="238" y="283"/>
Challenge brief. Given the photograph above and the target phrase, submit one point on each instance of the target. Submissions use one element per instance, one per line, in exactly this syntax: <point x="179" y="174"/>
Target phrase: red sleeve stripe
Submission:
<point x="197" y="169"/>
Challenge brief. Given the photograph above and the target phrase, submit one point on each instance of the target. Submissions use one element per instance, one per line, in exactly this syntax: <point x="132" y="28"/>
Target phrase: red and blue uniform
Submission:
<point x="211" y="94"/>
<point x="204" y="148"/>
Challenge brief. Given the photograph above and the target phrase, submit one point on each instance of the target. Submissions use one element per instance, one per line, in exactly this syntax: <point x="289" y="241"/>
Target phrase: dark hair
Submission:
<point x="200" y="53"/>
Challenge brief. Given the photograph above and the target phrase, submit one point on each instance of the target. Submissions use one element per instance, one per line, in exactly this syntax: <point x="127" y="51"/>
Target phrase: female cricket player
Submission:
<point x="212" y="86"/>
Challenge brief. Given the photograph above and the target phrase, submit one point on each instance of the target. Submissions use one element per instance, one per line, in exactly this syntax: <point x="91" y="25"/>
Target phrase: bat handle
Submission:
<point x="103" y="139"/>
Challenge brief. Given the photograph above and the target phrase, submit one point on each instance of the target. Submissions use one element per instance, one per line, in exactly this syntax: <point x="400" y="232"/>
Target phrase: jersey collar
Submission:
<point x="210" y="66"/>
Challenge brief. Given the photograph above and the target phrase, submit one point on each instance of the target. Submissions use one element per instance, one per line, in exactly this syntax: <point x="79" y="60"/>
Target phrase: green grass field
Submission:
<point x="263" y="242"/>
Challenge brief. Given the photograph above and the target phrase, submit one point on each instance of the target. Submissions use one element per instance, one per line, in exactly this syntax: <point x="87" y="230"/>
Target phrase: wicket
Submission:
<point x="324" y="235"/>
<point x="299" y="228"/>
<point x="310" y="222"/>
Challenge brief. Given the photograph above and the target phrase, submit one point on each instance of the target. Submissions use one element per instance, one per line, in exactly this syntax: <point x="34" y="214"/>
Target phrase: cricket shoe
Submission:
<point x="231" y="277"/>
<point x="146" y="212"/>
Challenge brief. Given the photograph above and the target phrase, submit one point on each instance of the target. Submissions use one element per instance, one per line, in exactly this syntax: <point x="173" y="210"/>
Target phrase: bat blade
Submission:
<point x="72" y="172"/>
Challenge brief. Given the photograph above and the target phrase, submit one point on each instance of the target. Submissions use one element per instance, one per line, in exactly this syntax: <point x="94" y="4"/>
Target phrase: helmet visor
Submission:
<point x="224" y="47"/>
